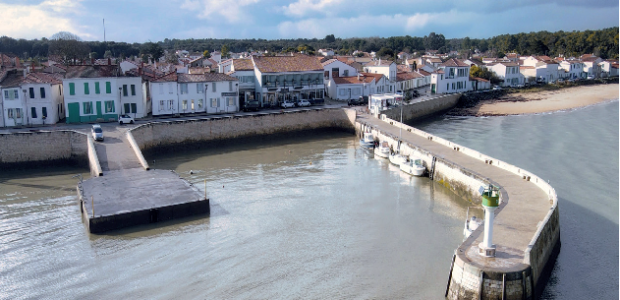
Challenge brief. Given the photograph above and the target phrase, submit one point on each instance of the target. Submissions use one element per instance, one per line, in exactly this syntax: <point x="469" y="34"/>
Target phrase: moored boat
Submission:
<point x="414" y="166"/>
<point x="383" y="150"/>
<point x="367" y="140"/>
<point x="397" y="159"/>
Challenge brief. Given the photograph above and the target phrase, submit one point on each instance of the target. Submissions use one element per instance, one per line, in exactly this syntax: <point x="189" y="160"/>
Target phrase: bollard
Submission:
<point x="92" y="205"/>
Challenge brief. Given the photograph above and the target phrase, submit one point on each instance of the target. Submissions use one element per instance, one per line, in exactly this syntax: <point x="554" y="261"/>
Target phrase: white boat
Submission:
<point x="397" y="159"/>
<point x="471" y="225"/>
<point x="413" y="167"/>
<point x="383" y="150"/>
<point x="367" y="140"/>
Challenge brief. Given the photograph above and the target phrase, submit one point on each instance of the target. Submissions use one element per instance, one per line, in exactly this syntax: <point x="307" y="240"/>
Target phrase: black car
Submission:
<point x="362" y="100"/>
<point x="251" y="105"/>
<point x="317" y="101"/>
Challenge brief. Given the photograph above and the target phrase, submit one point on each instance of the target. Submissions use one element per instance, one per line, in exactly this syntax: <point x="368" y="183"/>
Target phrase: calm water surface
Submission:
<point x="310" y="217"/>
<point x="315" y="217"/>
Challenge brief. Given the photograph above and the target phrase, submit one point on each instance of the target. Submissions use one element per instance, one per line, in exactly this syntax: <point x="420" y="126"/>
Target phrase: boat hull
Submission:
<point x="414" y="170"/>
<point x="397" y="159"/>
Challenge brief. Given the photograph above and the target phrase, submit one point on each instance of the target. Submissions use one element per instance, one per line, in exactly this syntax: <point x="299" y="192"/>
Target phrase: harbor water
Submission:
<point x="315" y="216"/>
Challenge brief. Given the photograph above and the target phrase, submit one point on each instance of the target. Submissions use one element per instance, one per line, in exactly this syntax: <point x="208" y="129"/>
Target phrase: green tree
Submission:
<point x="225" y="51"/>
<point x="330" y="38"/>
<point x="383" y="52"/>
<point x="152" y="50"/>
<point x="206" y="54"/>
<point x="68" y="47"/>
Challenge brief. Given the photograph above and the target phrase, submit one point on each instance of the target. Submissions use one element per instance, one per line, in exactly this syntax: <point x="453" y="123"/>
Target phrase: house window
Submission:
<point x="97" y="89"/>
<point x="44" y="112"/>
<point x="346" y="73"/>
<point x="126" y="108"/>
<point x="184" y="105"/>
<point x="133" y="89"/>
<point x="125" y="92"/>
<point x="184" y="88"/>
<point x="213" y="86"/>
<point x="230" y="86"/>
<point x="109" y="106"/>
<point x="170" y="104"/>
<point x="71" y="88"/>
<point x="214" y="102"/>
<point x="86" y="89"/>
<point x="161" y="88"/>
<point x="108" y="87"/>
<point x="42" y="92"/>
<point x="31" y="92"/>
<point x="134" y="108"/>
<point x="33" y="112"/>
<point x="192" y="105"/>
<point x="169" y="88"/>
<point x="231" y="101"/>
<point x="88" y="108"/>
<point x="161" y="105"/>
<point x="199" y="103"/>
<point x="198" y="88"/>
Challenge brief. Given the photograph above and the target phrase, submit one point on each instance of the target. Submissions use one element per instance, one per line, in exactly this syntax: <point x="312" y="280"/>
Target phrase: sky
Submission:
<point x="154" y="20"/>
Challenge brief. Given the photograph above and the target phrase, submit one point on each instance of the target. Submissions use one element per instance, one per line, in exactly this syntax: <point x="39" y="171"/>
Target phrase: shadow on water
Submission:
<point x="587" y="266"/>
<point x="23" y="177"/>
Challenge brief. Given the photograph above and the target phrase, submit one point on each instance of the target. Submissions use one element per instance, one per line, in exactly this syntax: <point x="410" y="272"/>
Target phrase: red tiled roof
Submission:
<point x="208" y="77"/>
<point x="43" y="78"/>
<point x="478" y="79"/>
<point x="526" y="67"/>
<point x="424" y="73"/>
<point x="453" y="62"/>
<point x="381" y="62"/>
<point x="243" y="64"/>
<point x="297" y="63"/>
<point x="89" y="71"/>
<point x="12" y="79"/>
<point x="172" y="77"/>
<point x="376" y="76"/>
<point x="402" y="76"/>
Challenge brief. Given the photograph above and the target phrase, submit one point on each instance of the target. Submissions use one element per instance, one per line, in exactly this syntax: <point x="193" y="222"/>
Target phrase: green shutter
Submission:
<point x="108" y="87"/>
<point x="97" y="90"/>
<point x="71" y="88"/>
<point x="86" y="91"/>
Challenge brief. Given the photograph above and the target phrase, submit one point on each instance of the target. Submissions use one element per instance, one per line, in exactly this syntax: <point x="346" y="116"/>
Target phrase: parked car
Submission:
<point x="497" y="88"/>
<point x="590" y="77"/>
<point x="123" y="119"/>
<point x="252" y="105"/>
<point x="303" y="102"/>
<point x="97" y="132"/>
<point x="287" y="104"/>
<point x="317" y="101"/>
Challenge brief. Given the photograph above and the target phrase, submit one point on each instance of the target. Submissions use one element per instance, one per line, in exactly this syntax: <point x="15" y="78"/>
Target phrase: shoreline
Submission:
<point x="541" y="102"/>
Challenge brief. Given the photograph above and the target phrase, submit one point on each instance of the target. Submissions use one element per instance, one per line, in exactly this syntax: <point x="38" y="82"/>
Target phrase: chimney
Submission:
<point x="139" y="71"/>
<point x="358" y="76"/>
<point x="109" y="61"/>
<point x="17" y="64"/>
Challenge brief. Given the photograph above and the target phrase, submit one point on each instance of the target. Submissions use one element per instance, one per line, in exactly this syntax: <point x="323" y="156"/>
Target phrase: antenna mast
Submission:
<point x="104" y="30"/>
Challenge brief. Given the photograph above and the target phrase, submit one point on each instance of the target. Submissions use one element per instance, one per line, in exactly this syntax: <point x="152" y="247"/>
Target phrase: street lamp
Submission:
<point x="120" y="98"/>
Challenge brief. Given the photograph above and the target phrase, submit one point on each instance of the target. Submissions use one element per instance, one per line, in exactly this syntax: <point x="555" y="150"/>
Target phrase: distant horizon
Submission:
<point x="141" y="21"/>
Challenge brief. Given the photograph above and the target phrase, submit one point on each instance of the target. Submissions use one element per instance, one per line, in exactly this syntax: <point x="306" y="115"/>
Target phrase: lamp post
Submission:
<point x="120" y="98"/>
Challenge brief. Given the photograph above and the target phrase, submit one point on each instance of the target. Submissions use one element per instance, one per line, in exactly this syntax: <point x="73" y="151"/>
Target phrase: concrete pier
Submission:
<point x="526" y="233"/>
<point x="129" y="194"/>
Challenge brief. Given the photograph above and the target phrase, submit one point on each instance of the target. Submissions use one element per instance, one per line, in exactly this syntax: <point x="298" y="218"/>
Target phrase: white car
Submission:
<point x="97" y="133"/>
<point x="122" y="119"/>
<point x="303" y="102"/>
<point x="287" y="104"/>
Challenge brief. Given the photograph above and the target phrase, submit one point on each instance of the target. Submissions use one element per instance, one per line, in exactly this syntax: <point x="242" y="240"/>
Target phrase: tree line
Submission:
<point x="603" y="43"/>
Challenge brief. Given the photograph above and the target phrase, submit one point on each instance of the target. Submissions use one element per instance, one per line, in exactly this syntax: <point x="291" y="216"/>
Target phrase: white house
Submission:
<point x="407" y="82"/>
<point x="508" y="72"/>
<point x="44" y="98"/>
<point x="13" y="99"/>
<point x="609" y="68"/>
<point x="352" y="87"/>
<point x="243" y="70"/>
<point x="573" y="69"/>
<point x="164" y="95"/>
<point x="225" y="66"/>
<point x="591" y="66"/>
<point x="478" y="84"/>
<point x="385" y="67"/>
<point x="101" y="93"/>
<point x="216" y="56"/>
<point x="334" y="68"/>
<point x="452" y="76"/>
<point x="280" y="78"/>
<point x="542" y="68"/>
<point x="326" y="52"/>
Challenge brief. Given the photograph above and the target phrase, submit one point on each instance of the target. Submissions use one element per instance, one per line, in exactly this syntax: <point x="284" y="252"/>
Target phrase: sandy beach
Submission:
<point x="548" y="101"/>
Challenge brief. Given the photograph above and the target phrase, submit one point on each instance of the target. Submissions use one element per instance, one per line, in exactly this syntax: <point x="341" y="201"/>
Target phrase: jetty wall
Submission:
<point x="171" y="134"/>
<point x="466" y="280"/>
<point x="423" y="108"/>
<point x="42" y="148"/>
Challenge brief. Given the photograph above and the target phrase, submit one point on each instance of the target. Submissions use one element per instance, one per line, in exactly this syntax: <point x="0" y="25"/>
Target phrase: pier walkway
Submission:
<point x="517" y="220"/>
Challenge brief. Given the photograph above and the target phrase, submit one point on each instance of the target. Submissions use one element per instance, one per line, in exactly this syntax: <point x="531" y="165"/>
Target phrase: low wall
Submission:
<point x="178" y="133"/>
<point x="467" y="281"/>
<point x="420" y="109"/>
<point x="41" y="148"/>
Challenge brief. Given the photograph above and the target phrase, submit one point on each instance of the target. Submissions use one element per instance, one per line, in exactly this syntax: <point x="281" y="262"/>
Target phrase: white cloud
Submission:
<point x="42" y="20"/>
<point x="303" y="7"/>
<point x="233" y="11"/>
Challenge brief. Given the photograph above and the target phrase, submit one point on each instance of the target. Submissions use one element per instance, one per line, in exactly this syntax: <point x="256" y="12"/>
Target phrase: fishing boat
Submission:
<point x="367" y="140"/>
<point x="383" y="150"/>
<point x="396" y="158"/>
<point x="471" y="224"/>
<point x="413" y="166"/>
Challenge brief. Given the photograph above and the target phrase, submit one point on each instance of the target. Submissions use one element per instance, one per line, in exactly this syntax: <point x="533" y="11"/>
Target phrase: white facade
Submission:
<point x="164" y="97"/>
<point x="225" y="66"/>
<point x="573" y="69"/>
<point x="609" y="68"/>
<point x="388" y="69"/>
<point x="335" y="68"/>
<point x="452" y="77"/>
<point x="326" y="52"/>
<point x="509" y="73"/>
<point x="44" y="103"/>
<point x="132" y="99"/>
<point x="546" y="70"/>
<point x="14" y="106"/>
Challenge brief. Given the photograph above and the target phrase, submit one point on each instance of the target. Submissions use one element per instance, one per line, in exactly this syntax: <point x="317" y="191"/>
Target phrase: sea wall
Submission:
<point x="466" y="281"/>
<point x="41" y="148"/>
<point x="423" y="108"/>
<point x="169" y="134"/>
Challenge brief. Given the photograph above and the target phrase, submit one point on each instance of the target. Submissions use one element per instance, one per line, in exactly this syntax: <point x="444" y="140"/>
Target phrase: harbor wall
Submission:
<point x="171" y="134"/>
<point x="423" y="108"/>
<point x="43" y="148"/>
<point x="466" y="281"/>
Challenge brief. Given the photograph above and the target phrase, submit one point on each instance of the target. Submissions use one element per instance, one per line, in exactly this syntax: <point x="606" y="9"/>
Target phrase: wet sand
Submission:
<point x="547" y="101"/>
